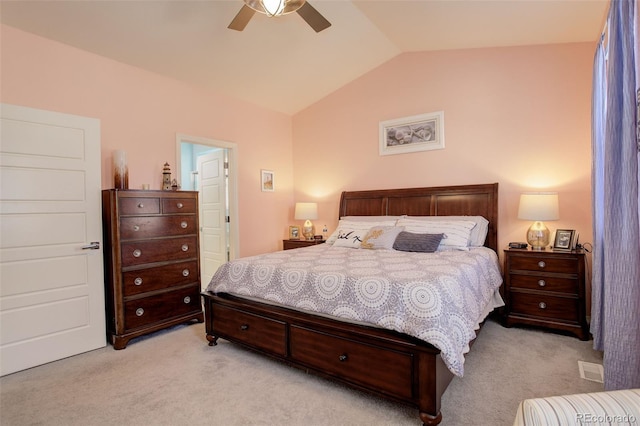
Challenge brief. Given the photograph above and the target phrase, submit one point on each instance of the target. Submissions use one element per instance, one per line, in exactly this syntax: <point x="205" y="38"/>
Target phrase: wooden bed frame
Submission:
<point x="387" y="363"/>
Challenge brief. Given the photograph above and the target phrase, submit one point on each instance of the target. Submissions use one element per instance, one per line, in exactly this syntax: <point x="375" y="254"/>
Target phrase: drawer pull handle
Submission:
<point x="342" y="358"/>
<point x="541" y="264"/>
<point x="185" y="272"/>
<point x="137" y="253"/>
<point x="542" y="283"/>
<point x="136" y="228"/>
<point x="140" y="206"/>
<point x="187" y="300"/>
<point x="244" y="327"/>
<point x="139" y="312"/>
<point x="542" y="305"/>
<point x="183" y="225"/>
<point x="185" y="247"/>
<point x="180" y="205"/>
<point x="138" y="281"/>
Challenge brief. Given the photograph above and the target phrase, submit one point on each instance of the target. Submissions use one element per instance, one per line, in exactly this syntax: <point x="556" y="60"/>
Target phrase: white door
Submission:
<point x="213" y="225"/>
<point x="51" y="276"/>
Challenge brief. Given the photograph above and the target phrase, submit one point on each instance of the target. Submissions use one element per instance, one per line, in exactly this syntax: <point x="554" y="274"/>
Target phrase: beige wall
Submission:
<point x="518" y="116"/>
<point x="141" y="112"/>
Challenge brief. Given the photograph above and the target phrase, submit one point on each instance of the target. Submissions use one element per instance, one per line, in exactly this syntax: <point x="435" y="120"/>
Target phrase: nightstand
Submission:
<point x="546" y="289"/>
<point x="293" y="244"/>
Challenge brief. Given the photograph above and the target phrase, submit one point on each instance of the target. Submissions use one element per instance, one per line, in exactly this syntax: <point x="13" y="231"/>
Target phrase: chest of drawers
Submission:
<point x="152" y="265"/>
<point x="547" y="289"/>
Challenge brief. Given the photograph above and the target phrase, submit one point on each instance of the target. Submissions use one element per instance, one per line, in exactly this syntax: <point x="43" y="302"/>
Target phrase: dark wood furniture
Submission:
<point x="547" y="289"/>
<point x="293" y="244"/>
<point x="383" y="362"/>
<point x="152" y="265"/>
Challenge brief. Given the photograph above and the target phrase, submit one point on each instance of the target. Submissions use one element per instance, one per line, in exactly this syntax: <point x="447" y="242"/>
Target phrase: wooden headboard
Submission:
<point x="469" y="200"/>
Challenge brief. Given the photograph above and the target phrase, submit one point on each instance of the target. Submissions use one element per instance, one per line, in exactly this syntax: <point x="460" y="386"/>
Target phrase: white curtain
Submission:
<point x="615" y="320"/>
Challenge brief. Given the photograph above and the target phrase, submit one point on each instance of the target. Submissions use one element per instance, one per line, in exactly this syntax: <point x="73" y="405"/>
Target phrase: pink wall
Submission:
<point x="518" y="116"/>
<point x="141" y="112"/>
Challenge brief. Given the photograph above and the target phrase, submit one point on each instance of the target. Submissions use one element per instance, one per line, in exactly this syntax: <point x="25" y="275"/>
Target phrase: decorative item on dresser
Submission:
<point x="547" y="289"/>
<point x="152" y="265"/>
<point x="292" y="244"/>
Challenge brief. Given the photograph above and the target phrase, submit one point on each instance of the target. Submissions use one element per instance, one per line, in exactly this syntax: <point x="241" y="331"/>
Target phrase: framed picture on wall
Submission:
<point x="266" y="180"/>
<point x="422" y="132"/>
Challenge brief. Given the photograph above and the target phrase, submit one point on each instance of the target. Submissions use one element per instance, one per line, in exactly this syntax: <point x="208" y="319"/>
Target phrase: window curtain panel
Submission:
<point x="615" y="320"/>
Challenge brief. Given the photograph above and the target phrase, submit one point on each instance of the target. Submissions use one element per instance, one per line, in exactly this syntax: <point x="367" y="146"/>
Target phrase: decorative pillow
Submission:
<point x="423" y="243"/>
<point x="456" y="233"/>
<point x="345" y="226"/>
<point x="478" y="233"/>
<point x="381" y="237"/>
<point x="350" y="237"/>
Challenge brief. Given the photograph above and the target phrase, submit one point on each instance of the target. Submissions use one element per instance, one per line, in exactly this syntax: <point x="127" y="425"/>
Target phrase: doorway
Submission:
<point x="209" y="167"/>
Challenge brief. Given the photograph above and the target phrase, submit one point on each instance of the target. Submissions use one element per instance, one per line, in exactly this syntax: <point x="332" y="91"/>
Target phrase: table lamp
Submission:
<point x="538" y="206"/>
<point x="307" y="212"/>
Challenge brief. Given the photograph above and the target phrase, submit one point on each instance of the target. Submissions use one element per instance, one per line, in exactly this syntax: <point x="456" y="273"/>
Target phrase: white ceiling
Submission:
<point x="281" y="63"/>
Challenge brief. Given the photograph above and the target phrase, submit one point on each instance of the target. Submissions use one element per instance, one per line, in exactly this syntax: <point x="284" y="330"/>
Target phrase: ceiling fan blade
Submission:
<point x="242" y="18"/>
<point x="313" y="17"/>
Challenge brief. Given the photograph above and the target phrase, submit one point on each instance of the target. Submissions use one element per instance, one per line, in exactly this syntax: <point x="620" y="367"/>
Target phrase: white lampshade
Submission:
<point x="538" y="206"/>
<point x="307" y="212"/>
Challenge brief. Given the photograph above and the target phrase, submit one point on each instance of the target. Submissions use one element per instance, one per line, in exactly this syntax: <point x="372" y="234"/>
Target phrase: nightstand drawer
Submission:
<point x="546" y="283"/>
<point x="543" y="305"/>
<point x="544" y="264"/>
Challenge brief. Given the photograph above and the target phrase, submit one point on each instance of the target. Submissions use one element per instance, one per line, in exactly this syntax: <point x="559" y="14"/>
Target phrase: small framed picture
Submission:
<point x="564" y="239"/>
<point x="294" y="232"/>
<point x="266" y="179"/>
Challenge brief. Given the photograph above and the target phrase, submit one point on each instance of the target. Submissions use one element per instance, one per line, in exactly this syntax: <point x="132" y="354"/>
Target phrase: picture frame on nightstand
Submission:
<point x="565" y="240"/>
<point x="294" y="232"/>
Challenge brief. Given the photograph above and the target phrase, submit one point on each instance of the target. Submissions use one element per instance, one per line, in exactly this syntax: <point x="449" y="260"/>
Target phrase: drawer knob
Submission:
<point x="137" y="253"/>
<point x="541" y="283"/>
<point x="180" y="205"/>
<point x="183" y="225"/>
<point x="139" y="312"/>
<point x="244" y="327"/>
<point x="136" y="228"/>
<point x="342" y="358"/>
<point x="140" y="206"/>
<point x="187" y="300"/>
<point x="185" y="272"/>
<point x="138" y="281"/>
<point x="185" y="247"/>
<point x="542" y="305"/>
<point x="541" y="264"/>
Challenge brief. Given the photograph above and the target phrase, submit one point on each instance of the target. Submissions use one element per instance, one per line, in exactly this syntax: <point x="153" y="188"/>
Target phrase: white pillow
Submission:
<point x="478" y="233"/>
<point x="456" y="233"/>
<point x="346" y="226"/>
<point x="381" y="237"/>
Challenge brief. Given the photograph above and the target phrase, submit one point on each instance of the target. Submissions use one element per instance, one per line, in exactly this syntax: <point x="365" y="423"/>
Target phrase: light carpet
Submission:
<point x="173" y="377"/>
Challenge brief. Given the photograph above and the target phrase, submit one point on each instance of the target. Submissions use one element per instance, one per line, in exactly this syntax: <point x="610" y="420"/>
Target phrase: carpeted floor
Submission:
<point x="173" y="378"/>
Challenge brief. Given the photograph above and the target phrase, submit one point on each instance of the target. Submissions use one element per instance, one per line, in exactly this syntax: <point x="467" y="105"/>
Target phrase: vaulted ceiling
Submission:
<point x="281" y="63"/>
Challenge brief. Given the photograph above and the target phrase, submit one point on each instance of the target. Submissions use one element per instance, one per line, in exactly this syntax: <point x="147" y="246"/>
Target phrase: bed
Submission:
<point x="377" y="353"/>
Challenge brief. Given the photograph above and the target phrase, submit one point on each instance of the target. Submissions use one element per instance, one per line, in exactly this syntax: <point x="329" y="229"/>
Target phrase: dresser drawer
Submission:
<point x="545" y="264"/>
<point x="138" y="227"/>
<point x="364" y="364"/>
<point x="161" y="307"/>
<point x="141" y="252"/>
<point x="544" y="305"/>
<point x="546" y="283"/>
<point x="260" y="332"/>
<point x="141" y="205"/>
<point x="158" y="278"/>
<point x="178" y="205"/>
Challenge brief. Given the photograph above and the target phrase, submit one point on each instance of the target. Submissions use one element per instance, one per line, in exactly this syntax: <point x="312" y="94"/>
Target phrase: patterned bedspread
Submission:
<point x="437" y="297"/>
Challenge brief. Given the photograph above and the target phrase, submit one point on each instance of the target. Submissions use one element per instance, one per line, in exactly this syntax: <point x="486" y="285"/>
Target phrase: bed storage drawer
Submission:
<point x="254" y="330"/>
<point x="368" y="365"/>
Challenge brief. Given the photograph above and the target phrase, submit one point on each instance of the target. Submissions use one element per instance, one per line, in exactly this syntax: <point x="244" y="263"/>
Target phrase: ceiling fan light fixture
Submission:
<point x="273" y="7"/>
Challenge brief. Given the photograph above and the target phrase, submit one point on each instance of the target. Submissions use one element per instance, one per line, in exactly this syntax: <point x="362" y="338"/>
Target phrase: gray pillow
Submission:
<point x="423" y="243"/>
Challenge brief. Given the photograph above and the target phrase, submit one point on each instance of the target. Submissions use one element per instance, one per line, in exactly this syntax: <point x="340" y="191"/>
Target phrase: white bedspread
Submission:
<point x="437" y="297"/>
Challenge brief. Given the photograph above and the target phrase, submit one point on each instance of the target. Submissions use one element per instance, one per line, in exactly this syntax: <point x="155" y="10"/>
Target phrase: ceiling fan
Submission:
<point x="277" y="8"/>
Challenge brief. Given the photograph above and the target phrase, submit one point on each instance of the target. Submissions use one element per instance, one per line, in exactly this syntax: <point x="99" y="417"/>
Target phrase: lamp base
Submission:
<point x="538" y="236"/>
<point x="308" y="230"/>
